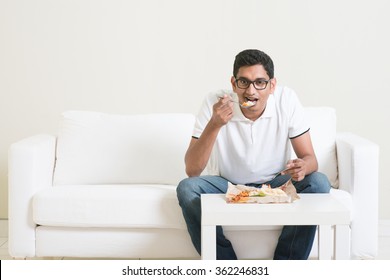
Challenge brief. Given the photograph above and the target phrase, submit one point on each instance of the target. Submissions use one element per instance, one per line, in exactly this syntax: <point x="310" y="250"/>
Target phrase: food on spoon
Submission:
<point x="248" y="103"/>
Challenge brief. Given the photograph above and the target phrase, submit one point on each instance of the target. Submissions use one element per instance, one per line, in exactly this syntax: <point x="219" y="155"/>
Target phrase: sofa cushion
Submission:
<point x="323" y="133"/>
<point x="120" y="206"/>
<point x="113" y="206"/>
<point x="98" y="148"/>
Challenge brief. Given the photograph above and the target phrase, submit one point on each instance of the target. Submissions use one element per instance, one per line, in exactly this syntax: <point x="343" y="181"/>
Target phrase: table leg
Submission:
<point x="343" y="242"/>
<point x="324" y="242"/>
<point x="209" y="243"/>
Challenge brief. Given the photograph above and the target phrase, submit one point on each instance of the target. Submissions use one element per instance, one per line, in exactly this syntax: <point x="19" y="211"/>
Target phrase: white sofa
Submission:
<point x="104" y="187"/>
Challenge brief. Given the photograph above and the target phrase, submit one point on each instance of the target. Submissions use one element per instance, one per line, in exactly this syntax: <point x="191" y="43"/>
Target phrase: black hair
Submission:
<point x="253" y="57"/>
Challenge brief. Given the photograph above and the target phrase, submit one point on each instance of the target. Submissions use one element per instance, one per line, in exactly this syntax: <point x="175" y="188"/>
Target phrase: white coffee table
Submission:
<point x="311" y="209"/>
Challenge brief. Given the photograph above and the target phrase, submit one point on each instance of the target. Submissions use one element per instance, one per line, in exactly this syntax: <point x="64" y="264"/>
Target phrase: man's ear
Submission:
<point x="272" y="85"/>
<point x="233" y="82"/>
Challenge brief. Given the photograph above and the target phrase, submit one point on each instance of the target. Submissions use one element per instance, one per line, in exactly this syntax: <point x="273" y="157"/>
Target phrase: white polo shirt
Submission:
<point x="248" y="151"/>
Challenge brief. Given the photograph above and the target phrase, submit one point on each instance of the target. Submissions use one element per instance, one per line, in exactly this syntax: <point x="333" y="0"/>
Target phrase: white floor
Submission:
<point x="384" y="243"/>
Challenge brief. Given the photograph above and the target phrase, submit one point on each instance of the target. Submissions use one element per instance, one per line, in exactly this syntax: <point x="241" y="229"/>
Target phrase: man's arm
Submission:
<point x="199" y="151"/>
<point x="306" y="162"/>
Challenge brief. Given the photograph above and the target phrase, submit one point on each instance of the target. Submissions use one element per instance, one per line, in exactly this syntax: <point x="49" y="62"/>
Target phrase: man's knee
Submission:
<point x="319" y="182"/>
<point x="186" y="186"/>
<point x="315" y="182"/>
<point x="194" y="186"/>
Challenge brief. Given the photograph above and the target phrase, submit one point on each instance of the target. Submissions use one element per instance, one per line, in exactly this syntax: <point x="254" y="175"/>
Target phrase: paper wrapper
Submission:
<point x="244" y="194"/>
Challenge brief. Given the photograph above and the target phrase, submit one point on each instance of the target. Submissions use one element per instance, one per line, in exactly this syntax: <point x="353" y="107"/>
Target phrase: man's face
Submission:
<point x="258" y="75"/>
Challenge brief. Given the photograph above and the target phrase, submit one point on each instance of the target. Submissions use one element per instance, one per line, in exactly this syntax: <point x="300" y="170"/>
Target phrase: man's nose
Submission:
<point x="251" y="89"/>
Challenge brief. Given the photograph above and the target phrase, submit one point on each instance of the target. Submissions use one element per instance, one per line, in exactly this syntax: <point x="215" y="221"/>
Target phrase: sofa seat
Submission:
<point x="113" y="206"/>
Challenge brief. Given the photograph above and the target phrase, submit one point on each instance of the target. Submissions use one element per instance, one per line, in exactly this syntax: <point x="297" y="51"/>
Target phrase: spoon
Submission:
<point x="246" y="104"/>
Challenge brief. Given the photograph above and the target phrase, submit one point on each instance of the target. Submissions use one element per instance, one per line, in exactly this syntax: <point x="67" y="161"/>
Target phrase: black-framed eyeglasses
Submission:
<point x="259" y="84"/>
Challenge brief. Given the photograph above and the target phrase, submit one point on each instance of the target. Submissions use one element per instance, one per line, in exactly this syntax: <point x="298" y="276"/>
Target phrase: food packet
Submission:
<point x="286" y="193"/>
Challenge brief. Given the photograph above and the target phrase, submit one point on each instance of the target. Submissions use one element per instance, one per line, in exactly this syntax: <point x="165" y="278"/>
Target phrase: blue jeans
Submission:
<point x="295" y="242"/>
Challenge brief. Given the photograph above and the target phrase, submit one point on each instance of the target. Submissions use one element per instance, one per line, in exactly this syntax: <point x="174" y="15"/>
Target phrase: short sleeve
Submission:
<point x="204" y="116"/>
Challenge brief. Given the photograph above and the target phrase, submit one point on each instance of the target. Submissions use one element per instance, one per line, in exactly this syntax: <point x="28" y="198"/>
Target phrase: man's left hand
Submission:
<point x="296" y="168"/>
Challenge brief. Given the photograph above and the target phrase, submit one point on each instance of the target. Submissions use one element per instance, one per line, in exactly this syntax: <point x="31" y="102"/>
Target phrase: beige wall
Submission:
<point x="112" y="56"/>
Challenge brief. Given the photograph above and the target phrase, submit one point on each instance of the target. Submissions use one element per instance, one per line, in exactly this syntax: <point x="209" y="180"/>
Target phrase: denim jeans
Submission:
<point x="295" y="242"/>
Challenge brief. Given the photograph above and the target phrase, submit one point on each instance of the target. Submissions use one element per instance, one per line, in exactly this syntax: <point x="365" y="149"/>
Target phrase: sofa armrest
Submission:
<point x="30" y="169"/>
<point x="358" y="162"/>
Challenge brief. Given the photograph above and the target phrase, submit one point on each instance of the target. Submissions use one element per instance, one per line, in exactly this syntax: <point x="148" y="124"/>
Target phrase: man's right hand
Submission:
<point x="222" y="111"/>
<point x="199" y="151"/>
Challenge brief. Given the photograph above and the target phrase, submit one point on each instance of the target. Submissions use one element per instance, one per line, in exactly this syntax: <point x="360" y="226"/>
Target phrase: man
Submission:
<point x="250" y="145"/>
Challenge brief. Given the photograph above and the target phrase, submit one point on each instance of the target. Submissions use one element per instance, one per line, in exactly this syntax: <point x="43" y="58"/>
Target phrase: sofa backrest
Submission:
<point x="98" y="148"/>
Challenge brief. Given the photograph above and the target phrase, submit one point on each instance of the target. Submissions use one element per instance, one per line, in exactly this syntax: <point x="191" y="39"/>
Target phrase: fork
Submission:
<point x="280" y="173"/>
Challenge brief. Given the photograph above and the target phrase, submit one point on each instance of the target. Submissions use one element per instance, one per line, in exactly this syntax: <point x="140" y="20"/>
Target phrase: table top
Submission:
<point x="310" y="209"/>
